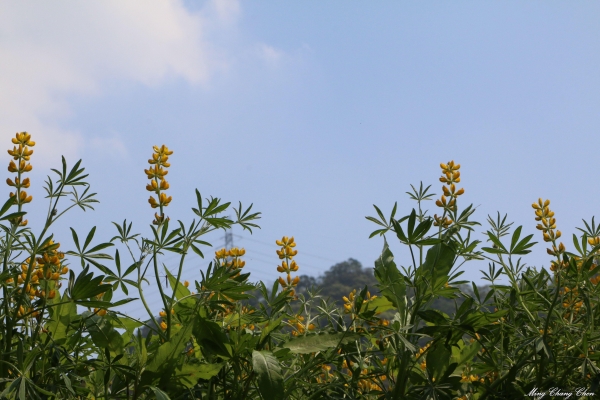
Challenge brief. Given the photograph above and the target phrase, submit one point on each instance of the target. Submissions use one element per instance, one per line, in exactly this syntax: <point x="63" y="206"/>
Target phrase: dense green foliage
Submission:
<point x="64" y="337"/>
<point x="346" y="276"/>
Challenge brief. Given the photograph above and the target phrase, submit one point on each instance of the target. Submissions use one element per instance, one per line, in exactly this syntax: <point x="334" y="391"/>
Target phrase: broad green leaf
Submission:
<point x="189" y="374"/>
<point x="438" y="360"/>
<point x="181" y="291"/>
<point x="462" y="353"/>
<point x="169" y="351"/>
<point x="103" y="334"/>
<point x="267" y="368"/>
<point x="437" y="265"/>
<point x="433" y="316"/>
<point x="391" y="282"/>
<point x="313" y="343"/>
<point x="129" y="324"/>
<point x="211" y="338"/>
<point x="62" y="315"/>
<point x="381" y="304"/>
<point x="235" y="319"/>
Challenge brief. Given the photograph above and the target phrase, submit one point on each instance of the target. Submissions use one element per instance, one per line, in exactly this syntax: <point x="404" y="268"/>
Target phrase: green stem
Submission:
<point x="143" y="299"/>
<point x="162" y="293"/>
<point x="174" y="291"/>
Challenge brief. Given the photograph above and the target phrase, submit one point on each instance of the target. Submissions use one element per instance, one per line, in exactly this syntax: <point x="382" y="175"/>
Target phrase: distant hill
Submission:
<point x="341" y="278"/>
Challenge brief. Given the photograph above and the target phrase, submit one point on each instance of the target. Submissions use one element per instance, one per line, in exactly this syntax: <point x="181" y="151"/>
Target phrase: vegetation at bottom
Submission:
<point x="380" y="335"/>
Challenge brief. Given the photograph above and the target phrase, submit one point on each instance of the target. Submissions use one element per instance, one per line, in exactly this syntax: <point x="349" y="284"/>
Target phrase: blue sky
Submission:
<point x="312" y="111"/>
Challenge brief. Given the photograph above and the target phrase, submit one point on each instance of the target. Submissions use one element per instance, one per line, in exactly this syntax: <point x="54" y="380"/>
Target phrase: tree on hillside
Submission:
<point x="339" y="280"/>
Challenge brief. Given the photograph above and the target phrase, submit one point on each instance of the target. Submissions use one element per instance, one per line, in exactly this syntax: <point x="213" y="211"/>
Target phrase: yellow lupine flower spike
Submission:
<point x="156" y="173"/>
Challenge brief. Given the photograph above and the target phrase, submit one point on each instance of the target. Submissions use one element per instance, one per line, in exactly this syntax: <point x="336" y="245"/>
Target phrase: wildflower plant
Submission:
<point x="63" y="334"/>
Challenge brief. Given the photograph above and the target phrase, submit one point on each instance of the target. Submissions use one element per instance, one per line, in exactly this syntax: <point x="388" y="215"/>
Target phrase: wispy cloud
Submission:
<point x="112" y="145"/>
<point x="270" y="55"/>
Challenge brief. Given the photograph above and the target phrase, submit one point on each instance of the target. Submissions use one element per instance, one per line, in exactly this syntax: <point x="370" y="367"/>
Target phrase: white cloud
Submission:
<point x="111" y="145"/>
<point x="271" y="56"/>
<point x="50" y="50"/>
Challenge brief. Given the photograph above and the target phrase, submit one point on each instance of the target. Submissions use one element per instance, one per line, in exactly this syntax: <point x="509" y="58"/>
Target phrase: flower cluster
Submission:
<point x="158" y="184"/>
<point x="450" y="177"/>
<point x="44" y="277"/>
<point x="422" y="350"/>
<point x="299" y="326"/>
<point x="471" y="378"/>
<point x="288" y="265"/>
<point x="349" y="301"/>
<point x="548" y="227"/>
<point x="21" y="153"/>
<point x="571" y="301"/>
<point x="231" y="259"/>
<point x="366" y="383"/>
<point x="326" y="376"/>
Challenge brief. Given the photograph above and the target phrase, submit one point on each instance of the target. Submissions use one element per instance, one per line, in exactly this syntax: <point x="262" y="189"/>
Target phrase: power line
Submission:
<point x="270" y="245"/>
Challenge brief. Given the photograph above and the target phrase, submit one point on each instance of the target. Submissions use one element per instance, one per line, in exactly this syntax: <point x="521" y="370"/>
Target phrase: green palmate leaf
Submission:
<point x="189" y="374"/>
<point x="164" y="357"/>
<point x="237" y="319"/>
<point x="499" y="247"/>
<point x="462" y="354"/>
<point x="438" y="360"/>
<point x="391" y="282"/>
<point x="399" y="232"/>
<point x="244" y="217"/>
<point x="86" y="285"/>
<point x="211" y="338"/>
<point x="268" y="371"/>
<point x="104" y="335"/>
<point x="520" y="247"/>
<point x="313" y="343"/>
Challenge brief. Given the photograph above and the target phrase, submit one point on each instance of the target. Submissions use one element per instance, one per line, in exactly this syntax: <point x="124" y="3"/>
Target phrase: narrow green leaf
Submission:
<point x="8" y="204"/>
<point x="515" y="238"/>
<point x="160" y="395"/>
<point x="89" y="238"/>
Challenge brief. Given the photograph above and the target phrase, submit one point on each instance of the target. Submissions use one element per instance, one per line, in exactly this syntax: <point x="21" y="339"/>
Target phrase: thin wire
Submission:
<point x="271" y="245"/>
